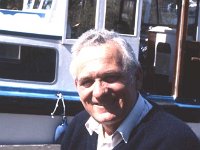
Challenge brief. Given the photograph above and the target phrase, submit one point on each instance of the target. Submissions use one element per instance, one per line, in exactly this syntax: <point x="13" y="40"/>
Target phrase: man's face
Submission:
<point x="105" y="90"/>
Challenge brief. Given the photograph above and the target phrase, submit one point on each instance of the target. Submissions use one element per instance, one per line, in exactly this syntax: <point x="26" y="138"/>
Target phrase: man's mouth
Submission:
<point x="105" y="103"/>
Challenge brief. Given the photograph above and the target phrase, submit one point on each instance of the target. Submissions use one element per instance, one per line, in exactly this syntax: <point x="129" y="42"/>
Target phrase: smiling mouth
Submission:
<point x="106" y="104"/>
<point x="97" y="104"/>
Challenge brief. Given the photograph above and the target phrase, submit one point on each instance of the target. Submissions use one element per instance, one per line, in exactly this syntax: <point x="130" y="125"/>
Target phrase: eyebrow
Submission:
<point x="83" y="79"/>
<point x="113" y="73"/>
<point x="118" y="73"/>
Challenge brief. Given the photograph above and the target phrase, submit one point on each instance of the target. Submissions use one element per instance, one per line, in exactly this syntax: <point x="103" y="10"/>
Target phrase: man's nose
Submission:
<point x="99" y="89"/>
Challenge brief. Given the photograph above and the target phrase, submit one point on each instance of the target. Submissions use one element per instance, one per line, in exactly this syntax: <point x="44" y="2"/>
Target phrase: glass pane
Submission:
<point x="120" y="16"/>
<point x="149" y="12"/>
<point x="168" y="12"/>
<point x="160" y="12"/>
<point x="11" y="4"/>
<point x="81" y="17"/>
<point x="192" y="20"/>
<point x="25" y="4"/>
<point x="192" y="11"/>
<point x="34" y="63"/>
<point x="10" y="52"/>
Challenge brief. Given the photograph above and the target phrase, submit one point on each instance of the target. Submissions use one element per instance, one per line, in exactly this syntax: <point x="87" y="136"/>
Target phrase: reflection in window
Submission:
<point x="192" y="20"/>
<point x="11" y="4"/>
<point x="162" y="12"/>
<point x="149" y="12"/>
<point x="25" y="4"/>
<point x="168" y="12"/>
<point x="33" y="64"/>
<point x="81" y="16"/>
<point x="120" y="16"/>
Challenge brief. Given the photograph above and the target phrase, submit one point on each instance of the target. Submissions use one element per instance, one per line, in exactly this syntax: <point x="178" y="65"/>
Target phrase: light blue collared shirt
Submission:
<point x="138" y="112"/>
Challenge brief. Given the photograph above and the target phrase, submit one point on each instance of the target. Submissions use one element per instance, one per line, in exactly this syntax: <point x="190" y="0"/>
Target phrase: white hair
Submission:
<point x="95" y="37"/>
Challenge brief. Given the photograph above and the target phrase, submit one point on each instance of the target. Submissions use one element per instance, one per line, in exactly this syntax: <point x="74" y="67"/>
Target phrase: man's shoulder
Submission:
<point x="160" y="127"/>
<point x="159" y="117"/>
<point x="77" y="125"/>
<point x="161" y="123"/>
<point x="164" y="123"/>
<point x="82" y="115"/>
<point x="81" y="118"/>
<point x="76" y="135"/>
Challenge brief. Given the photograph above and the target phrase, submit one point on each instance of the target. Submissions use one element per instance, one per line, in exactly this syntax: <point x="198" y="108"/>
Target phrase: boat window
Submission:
<point x="81" y="17"/>
<point x="192" y="20"/>
<point x="120" y="16"/>
<point x="27" y="63"/>
<point x="160" y="12"/>
<point x="158" y="50"/>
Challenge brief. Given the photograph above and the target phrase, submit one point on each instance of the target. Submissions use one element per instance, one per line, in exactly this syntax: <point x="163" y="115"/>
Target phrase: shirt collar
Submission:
<point x="140" y="109"/>
<point x="138" y="112"/>
<point x="93" y="126"/>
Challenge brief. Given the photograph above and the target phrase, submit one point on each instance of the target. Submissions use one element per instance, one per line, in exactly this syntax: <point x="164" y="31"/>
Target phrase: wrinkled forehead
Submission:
<point x="109" y="51"/>
<point x="98" y="60"/>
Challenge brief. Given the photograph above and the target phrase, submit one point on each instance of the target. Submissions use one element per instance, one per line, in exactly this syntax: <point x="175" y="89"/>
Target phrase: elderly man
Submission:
<point x="108" y="78"/>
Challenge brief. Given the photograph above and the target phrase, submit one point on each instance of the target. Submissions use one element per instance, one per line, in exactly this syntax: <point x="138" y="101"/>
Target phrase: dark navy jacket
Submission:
<point x="157" y="131"/>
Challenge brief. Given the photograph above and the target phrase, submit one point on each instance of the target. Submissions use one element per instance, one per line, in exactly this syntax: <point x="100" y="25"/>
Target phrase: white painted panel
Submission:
<point x="27" y="129"/>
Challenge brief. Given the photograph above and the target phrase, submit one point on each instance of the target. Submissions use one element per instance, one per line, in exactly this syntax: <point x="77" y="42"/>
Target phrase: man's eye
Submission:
<point x="111" y="78"/>
<point x="86" y="83"/>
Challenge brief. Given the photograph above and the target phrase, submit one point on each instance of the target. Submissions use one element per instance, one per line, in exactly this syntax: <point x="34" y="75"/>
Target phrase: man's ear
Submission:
<point x="76" y="82"/>
<point x="139" y="78"/>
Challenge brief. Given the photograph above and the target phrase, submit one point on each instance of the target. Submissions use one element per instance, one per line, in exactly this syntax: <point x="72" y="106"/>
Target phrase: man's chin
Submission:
<point x="105" y="118"/>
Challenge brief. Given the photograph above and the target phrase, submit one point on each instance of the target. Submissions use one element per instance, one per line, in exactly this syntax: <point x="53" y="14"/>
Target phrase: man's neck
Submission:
<point x="109" y="129"/>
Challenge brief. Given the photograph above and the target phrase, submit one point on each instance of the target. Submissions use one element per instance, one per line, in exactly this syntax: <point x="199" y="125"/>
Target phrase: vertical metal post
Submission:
<point x="100" y="14"/>
<point x="157" y="12"/>
<point x="181" y="38"/>
<point x="65" y="22"/>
